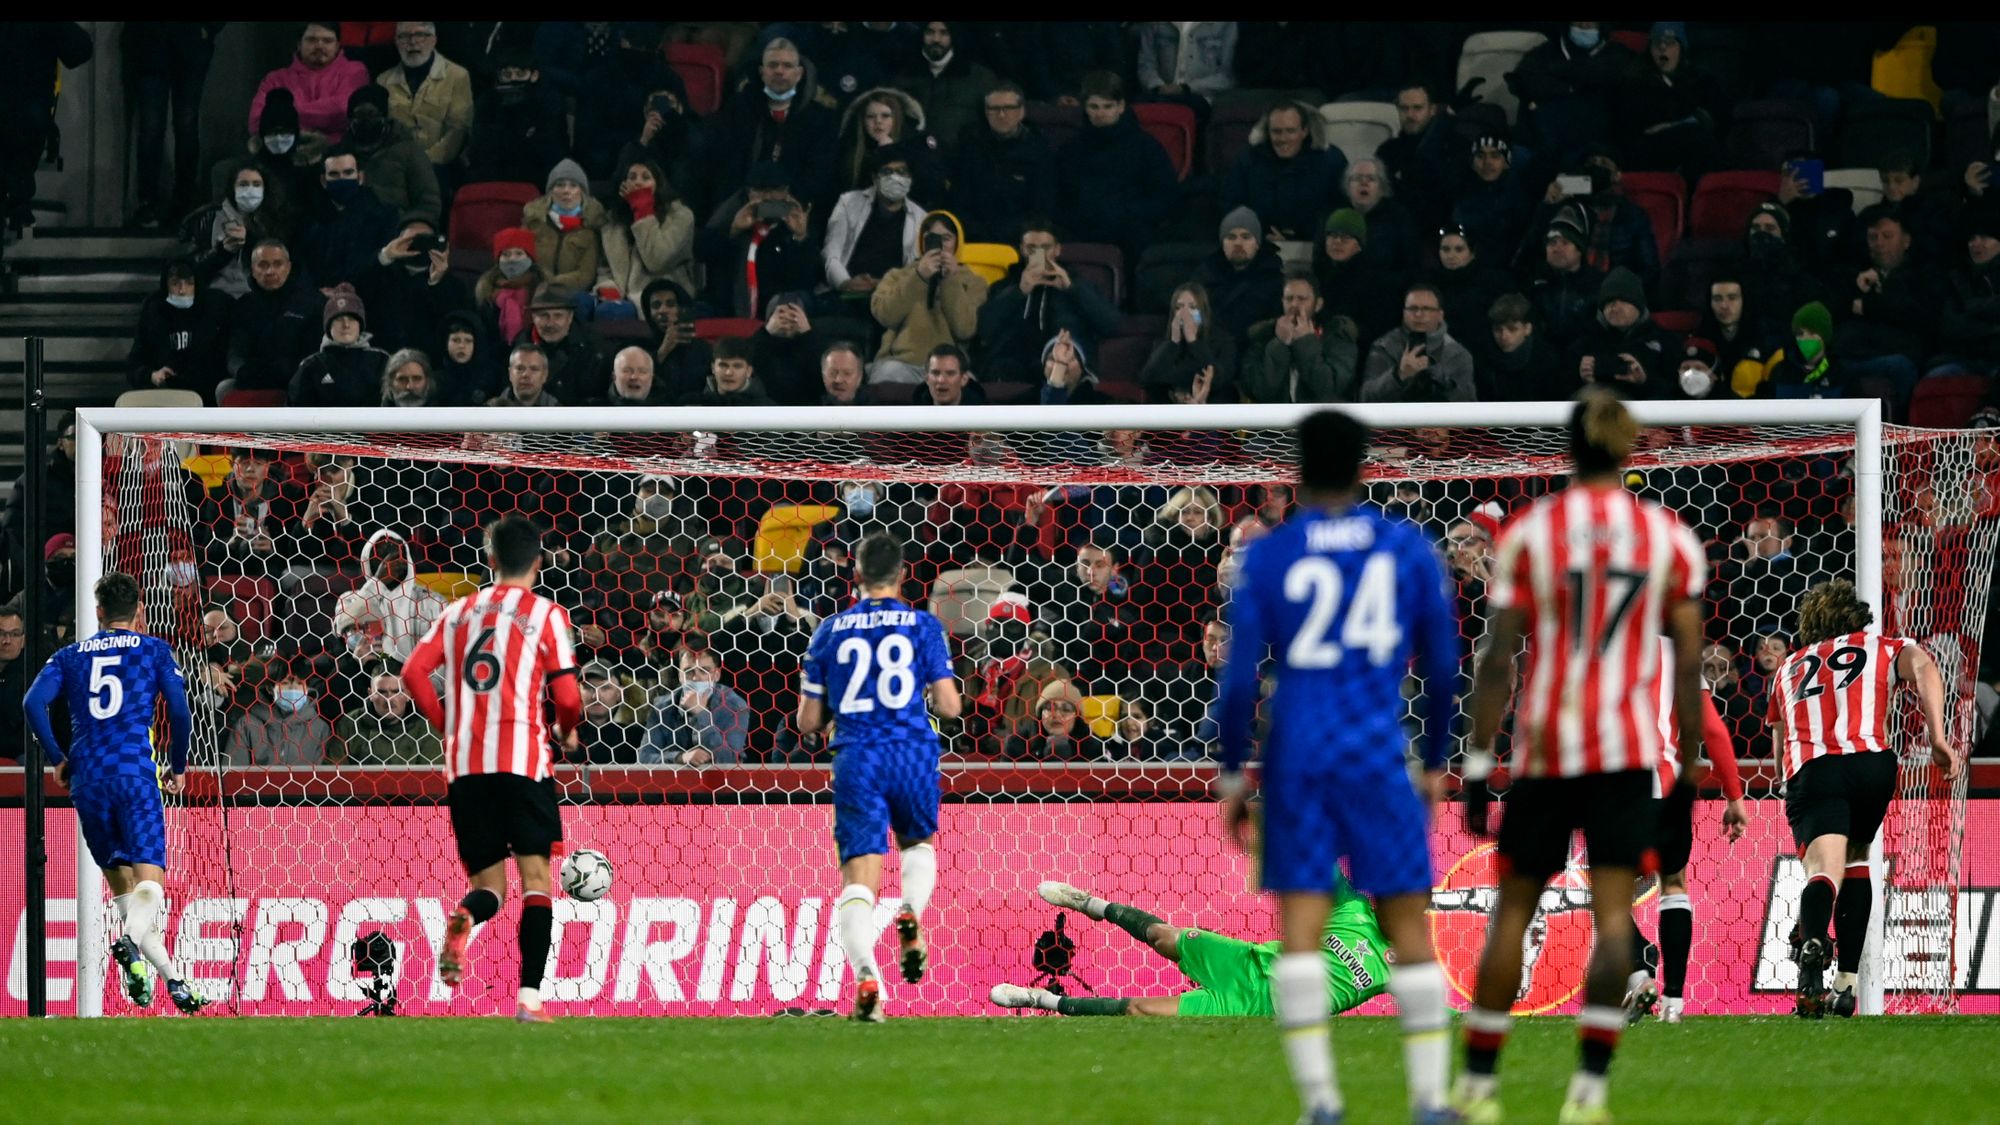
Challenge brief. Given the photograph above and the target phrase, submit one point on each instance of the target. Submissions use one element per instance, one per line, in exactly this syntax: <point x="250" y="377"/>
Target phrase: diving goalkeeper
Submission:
<point x="1232" y="977"/>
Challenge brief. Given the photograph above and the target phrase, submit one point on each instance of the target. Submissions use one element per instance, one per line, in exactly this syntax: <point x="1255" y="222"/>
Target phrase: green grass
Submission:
<point x="1904" y="1071"/>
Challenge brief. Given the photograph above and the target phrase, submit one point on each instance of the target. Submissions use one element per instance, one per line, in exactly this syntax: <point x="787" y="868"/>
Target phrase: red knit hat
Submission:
<point x="1011" y="607"/>
<point x="1487" y="517"/>
<point x="514" y="238"/>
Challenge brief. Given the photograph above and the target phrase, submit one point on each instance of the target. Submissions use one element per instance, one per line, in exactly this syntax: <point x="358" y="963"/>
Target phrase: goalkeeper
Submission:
<point x="1232" y="977"/>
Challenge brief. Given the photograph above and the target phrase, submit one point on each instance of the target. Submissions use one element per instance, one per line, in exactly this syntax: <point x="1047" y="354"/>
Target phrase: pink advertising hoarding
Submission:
<point x="725" y="910"/>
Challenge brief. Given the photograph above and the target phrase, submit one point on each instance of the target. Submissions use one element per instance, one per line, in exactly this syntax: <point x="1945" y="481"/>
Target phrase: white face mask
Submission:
<point x="248" y="199"/>
<point x="893" y="186"/>
<point x="1696" y="382"/>
<point x="181" y="301"/>
<point x="181" y="573"/>
<point x="700" y="688"/>
<point x="280" y="143"/>
<point x="511" y="268"/>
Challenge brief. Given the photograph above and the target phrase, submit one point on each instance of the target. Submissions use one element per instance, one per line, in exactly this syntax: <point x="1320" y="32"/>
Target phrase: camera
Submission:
<point x="374" y="955"/>
<point x="773" y="210"/>
<point x="934" y="241"/>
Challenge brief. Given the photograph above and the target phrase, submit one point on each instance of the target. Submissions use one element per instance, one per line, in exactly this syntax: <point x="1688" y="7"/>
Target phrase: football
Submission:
<point x="586" y="875"/>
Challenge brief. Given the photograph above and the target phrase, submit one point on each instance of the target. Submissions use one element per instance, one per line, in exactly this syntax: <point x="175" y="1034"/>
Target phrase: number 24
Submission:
<point x="1371" y="616"/>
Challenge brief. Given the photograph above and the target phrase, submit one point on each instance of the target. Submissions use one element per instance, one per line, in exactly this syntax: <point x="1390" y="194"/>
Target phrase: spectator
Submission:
<point x="881" y="118"/>
<point x="611" y="733"/>
<point x="873" y="229"/>
<point x="509" y="284"/>
<point x="719" y="588"/>
<point x="1774" y="279"/>
<point x="757" y="244"/>
<point x="347" y="368"/>
<point x="58" y="493"/>
<point x="14" y="678"/>
<point x="647" y="236"/>
<point x="1566" y="87"/>
<point x="1291" y="359"/>
<point x="386" y="731"/>
<point x="1055" y="57"/>
<point x="705" y="722"/>
<point x="1037" y="300"/>
<point x="1194" y="363"/>
<point x="431" y="97"/>
<point x="288" y="156"/>
<point x="1926" y="216"/>
<point x="768" y="122"/>
<point x="1003" y="173"/>
<point x="1057" y="732"/>
<point x="568" y="51"/>
<point x="1467" y="284"/>
<point x="1115" y="181"/>
<point x="1289" y="176"/>
<point x="1806" y="367"/>
<point x="1520" y="366"/>
<point x="468" y="370"/>
<point x="167" y="60"/>
<point x="1354" y="286"/>
<point x="1820" y="226"/>
<point x="947" y="83"/>
<point x="680" y="362"/>
<point x="575" y="366"/>
<point x="1097" y="615"/>
<point x="732" y="380"/>
<point x="1626" y="352"/>
<point x="845" y="56"/>
<point x="632" y="381"/>
<point x="616" y="95"/>
<point x="32" y="57"/>
<point x="566" y="223"/>
<point x="407" y="381"/>
<point x="389" y="607"/>
<point x="1245" y="278"/>
<point x="527" y="375"/>
<point x="1894" y="304"/>
<point x="1763" y="575"/>
<point x="1419" y="362"/>
<point x="1739" y="343"/>
<point x="1423" y="159"/>
<point x="1187" y="63"/>
<point x="785" y="352"/>
<point x="1669" y="109"/>
<point x="59" y="586"/>
<point x="841" y="375"/>
<point x="1494" y="205"/>
<point x="1141" y="737"/>
<point x="347" y="225"/>
<point x="1969" y="331"/>
<point x="1392" y="235"/>
<point x="1565" y="290"/>
<point x="932" y="301"/>
<point x="948" y="380"/>
<point x="393" y="164"/>
<point x="320" y="80"/>
<point x="666" y="138"/>
<point x="519" y="128"/>
<point x="282" y="725"/>
<point x="1618" y="230"/>
<point x="183" y="338"/>
<point x="270" y="328"/>
<point x="1066" y="378"/>
<point x="247" y="213"/>
<point x="412" y="289"/>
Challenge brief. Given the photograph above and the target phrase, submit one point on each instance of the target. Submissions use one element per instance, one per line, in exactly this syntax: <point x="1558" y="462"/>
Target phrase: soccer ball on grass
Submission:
<point x="586" y="875"/>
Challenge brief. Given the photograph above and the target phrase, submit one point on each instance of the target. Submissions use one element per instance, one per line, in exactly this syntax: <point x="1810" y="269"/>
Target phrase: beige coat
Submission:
<point x="915" y="325"/>
<point x="657" y="246"/>
<point x="439" y="112"/>
<point x="566" y="257"/>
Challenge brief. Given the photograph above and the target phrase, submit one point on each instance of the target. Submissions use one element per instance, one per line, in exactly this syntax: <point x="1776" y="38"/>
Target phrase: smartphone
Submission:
<point x="773" y="210"/>
<point x="1813" y="172"/>
<point x="934" y="241"/>
<point x="1574" y="185"/>
<point x="662" y="104"/>
<point x="423" y="244"/>
<point x="1038" y="258"/>
<point x="783" y="584"/>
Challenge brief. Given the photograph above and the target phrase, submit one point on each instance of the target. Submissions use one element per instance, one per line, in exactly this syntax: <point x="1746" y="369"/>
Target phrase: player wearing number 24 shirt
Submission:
<point x="866" y="674"/>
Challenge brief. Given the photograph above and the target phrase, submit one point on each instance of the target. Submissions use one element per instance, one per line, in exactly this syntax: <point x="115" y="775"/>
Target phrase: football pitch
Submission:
<point x="1036" y="1069"/>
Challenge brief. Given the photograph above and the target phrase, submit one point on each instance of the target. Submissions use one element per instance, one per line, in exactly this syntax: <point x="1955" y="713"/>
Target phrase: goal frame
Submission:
<point x="93" y="424"/>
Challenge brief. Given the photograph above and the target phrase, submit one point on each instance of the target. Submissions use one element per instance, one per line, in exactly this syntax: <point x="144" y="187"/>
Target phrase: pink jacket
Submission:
<point x="321" y="94"/>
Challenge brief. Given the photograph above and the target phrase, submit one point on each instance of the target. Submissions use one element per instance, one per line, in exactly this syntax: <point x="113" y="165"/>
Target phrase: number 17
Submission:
<point x="1625" y="584"/>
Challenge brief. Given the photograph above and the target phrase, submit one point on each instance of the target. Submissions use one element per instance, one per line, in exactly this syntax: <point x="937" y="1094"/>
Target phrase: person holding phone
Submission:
<point x="759" y="243"/>
<point x="932" y="301"/>
<point x="1419" y="362"/>
<point x="411" y="289"/>
<point x="1035" y="303"/>
<point x="786" y="351"/>
<point x="1625" y="351"/>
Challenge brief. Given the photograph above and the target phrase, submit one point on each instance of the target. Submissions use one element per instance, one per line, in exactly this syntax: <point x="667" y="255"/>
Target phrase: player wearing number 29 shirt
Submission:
<point x="499" y="649"/>
<point x="1588" y="578"/>
<point x="866" y="674"/>
<point x="1831" y="703"/>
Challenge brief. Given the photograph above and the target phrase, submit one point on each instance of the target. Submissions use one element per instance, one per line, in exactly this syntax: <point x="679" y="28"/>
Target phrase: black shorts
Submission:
<point x="1840" y="795"/>
<point x="1673" y="837"/>
<point x="1615" y="811"/>
<point x="495" y="815"/>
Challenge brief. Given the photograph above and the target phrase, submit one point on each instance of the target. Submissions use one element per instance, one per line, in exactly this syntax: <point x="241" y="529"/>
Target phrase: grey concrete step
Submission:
<point x="43" y="247"/>
<point x="102" y="281"/>
<point x="105" y="349"/>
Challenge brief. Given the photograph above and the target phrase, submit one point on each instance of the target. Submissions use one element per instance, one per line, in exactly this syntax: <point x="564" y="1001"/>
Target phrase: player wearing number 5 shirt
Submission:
<point x="865" y="675"/>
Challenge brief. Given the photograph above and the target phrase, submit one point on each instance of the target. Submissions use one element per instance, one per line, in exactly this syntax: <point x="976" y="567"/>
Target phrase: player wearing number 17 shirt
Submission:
<point x="1589" y="577"/>
<point x="498" y="649"/>
<point x="865" y="675"/>
<point x="1339" y="599"/>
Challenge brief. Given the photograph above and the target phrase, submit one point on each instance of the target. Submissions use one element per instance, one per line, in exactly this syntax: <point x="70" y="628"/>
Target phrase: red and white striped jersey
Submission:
<point x="499" y="647"/>
<point x="1834" y="697"/>
<point x="1594" y="570"/>
<point x="1714" y="735"/>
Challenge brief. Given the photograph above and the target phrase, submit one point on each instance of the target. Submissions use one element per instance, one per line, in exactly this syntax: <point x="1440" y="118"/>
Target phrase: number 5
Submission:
<point x="107" y="692"/>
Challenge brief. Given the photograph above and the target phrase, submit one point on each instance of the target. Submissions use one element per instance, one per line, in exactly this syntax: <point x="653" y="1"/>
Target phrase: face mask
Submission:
<point x="511" y="268"/>
<point x="1695" y="382"/>
<point x="700" y="688"/>
<point x="860" y="502"/>
<point x="894" y="187"/>
<point x="61" y="572"/>
<point x="512" y="93"/>
<point x="289" y="700"/>
<point x="1587" y="39"/>
<point x="181" y="573"/>
<point x="280" y="143"/>
<point x="775" y="96"/>
<point x="181" y="301"/>
<point x="343" y="192"/>
<point x="658" y="507"/>
<point x="248" y="199"/>
<point x="1810" y="348"/>
<point x="1765" y="246"/>
<point x="367" y="130"/>
<point x="567" y="212"/>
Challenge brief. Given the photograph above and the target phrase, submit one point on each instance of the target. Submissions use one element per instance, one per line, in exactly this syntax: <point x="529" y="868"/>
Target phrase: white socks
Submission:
<point x="1094" y="908"/>
<point x="1419" y="991"/>
<point x="1587" y="1089"/>
<point x="919" y="877"/>
<point x="531" y="999"/>
<point x="142" y="914"/>
<point x="1298" y="992"/>
<point x="854" y="918"/>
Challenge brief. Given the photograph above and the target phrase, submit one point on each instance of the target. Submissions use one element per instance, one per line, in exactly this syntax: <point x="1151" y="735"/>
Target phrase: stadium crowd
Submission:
<point x="825" y="214"/>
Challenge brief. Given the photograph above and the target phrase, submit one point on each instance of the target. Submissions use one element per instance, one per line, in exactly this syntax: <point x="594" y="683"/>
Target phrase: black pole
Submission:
<point x="34" y="852"/>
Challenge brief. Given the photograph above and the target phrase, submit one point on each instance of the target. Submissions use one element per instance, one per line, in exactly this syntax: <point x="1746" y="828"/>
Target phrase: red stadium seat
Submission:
<point x="1635" y="41"/>
<point x="1695" y="263"/>
<point x="1678" y="321"/>
<point x="1098" y="265"/>
<point x="480" y="211"/>
<point x="1120" y="359"/>
<point x="717" y="327"/>
<point x="701" y="67"/>
<point x="1229" y="129"/>
<point x="1947" y="402"/>
<point x="1172" y="126"/>
<point x="1663" y="196"/>
<point x="1724" y="201"/>
<point x="254" y="398"/>
<point x="254" y="598"/>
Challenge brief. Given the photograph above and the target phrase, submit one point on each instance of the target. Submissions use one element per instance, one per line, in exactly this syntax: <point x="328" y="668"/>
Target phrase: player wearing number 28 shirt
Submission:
<point x="866" y="674"/>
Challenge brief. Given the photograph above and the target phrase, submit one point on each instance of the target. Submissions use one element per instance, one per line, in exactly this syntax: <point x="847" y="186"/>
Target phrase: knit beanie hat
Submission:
<point x="344" y="302"/>
<point x="281" y="114"/>
<point x="1243" y="218"/>
<point x="1622" y="284"/>
<point x="1668" y="29"/>
<point x="514" y="238"/>
<point x="370" y="94"/>
<point x="1777" y="211"/>
<point x="567" y="169"/>
<point x="1572" y="225"/>
<point x="1349" y="222"/>
<point x="1814" y="318"/>
<point x="1060" y="690"/>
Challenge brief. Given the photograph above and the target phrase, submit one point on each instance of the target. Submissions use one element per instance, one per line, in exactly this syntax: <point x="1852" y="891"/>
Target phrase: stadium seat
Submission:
<point x="716" y="327"/>
<point x="890" y="394"/>
<point x="1678" y="321"/>
<point x="1723" y="202"/>
<point x="784" y="533"/>
<point x="628" y="329"/>
<point x="158" y="396"/>
<point x="1228" y="135"/>
<point x="450" y="585"/>
<point x="1636" y="42"/>
<point x="1696" y="262"/>
<point x="1122" y="392"/>
<point x="1102" y="712"/>
<point x="1173" y="126"/>
<point x="1873" y="132"/>
<point x="1947" y="402"/>
<point x="248" y="397"/>
<point x="210" y="468"/>
<point x="1163" y="266"/>
<point x="1663" y="196"/>
<point x="990" y="260"/>
<point x="470" y="263"/>
<point x="701" y="67"/>
<point x="1120" y="359"/>
<point x="1058" y="124"/>
<point x="1864" y="183"/>
<point x="1762" y="134"/>
<point x="1493" y="55"/>
<point x="1359" y="128"/>
<point x="480" y="211"/>
<point x="253" y="600"/>
<point x="1099" y="265"/>
<point x="1904" y="71"/>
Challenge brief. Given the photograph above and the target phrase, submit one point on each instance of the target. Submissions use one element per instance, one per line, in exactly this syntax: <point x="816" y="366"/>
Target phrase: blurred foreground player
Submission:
<point x="866" y="673"/>
<point x="1339" y="598"/>
<point x="499" y="648"/>
<point x="111" y="682"/>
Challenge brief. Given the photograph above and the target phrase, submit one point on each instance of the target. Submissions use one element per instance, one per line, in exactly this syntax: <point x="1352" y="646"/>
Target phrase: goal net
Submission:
<point x="1077" y="558"/>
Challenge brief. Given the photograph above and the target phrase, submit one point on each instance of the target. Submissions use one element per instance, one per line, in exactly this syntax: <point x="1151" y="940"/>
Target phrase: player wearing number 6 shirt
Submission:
<point x="1589" y="576"/>
<point x="1829" y="717"/>
<point x="111" y="681"/>
<point x="865" y="674"/>
<point x="498" y="649"/>
<point x="1340" y="599"/>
